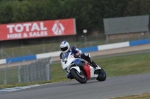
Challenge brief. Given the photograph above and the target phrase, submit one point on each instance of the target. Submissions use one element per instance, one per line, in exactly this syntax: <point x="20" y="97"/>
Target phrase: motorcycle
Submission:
<point x="81" y="70"/>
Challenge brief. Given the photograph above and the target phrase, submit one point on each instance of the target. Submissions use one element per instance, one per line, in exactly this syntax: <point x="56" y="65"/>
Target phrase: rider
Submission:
<point x="65" y="47"/>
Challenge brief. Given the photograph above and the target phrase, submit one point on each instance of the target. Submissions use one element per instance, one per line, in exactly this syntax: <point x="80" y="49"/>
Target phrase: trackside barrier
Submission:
<point x="139" y="42"/>
<point x="112" y="46"/>
<point x="3" y="61"/>
<point x="87" y="49"/>
<point x="22" y="58"/>
<point x="36" y="71"/>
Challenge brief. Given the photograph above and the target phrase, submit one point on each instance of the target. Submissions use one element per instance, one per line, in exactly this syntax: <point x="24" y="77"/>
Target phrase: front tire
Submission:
<point x="101" y="75"/>
<point x="80" y="77"/>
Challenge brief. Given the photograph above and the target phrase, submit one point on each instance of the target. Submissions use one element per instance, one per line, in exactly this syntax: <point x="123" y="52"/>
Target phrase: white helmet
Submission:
<point x="64" y="46"/>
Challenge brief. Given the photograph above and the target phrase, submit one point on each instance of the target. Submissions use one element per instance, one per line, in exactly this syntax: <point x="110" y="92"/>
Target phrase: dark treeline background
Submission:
<point x="89" y="14"/>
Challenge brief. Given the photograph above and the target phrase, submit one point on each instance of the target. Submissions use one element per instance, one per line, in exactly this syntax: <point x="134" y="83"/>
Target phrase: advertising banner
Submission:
<point x="37" y="29"/>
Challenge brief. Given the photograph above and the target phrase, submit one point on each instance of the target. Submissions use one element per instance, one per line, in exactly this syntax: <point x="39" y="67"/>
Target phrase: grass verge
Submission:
<point x="114" y="66"/>
<point x="141" y="96"/>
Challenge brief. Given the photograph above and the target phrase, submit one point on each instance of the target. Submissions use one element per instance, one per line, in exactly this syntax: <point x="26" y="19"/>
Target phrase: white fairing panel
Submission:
<point x="67" y="63"/>
<point x="77" y="68"/>
<point x="67" y="60"/>
<point x="92" y="72"/>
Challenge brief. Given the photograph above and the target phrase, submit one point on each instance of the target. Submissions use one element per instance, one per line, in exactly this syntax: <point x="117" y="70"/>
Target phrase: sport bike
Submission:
<point x="80" y="69"/>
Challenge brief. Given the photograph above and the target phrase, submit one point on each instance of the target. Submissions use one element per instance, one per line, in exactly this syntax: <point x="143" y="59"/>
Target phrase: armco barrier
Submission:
<point x="139" y="42"/>
<point x="112" y="46"/>
<point x="88" y="49"/>
<point x="22" y="58"/>
<point x="2" y="61"/>
<point x="46" y="55"/>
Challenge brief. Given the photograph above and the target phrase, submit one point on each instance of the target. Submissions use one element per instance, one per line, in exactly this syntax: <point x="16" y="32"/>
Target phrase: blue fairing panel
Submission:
<point x="77" y="61"/>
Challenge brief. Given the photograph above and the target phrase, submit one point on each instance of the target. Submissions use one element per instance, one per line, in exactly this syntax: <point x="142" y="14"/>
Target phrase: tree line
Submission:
<point x="89" y="14"/>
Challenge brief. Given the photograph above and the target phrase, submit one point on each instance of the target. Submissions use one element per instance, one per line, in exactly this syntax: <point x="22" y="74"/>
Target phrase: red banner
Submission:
<point x="37" y="29"/>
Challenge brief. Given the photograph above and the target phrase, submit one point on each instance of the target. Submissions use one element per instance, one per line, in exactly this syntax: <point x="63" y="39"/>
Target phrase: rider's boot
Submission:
<point x="88" y="58"/>
<point x="93" y="64"/>
<point x="69" y="76"/>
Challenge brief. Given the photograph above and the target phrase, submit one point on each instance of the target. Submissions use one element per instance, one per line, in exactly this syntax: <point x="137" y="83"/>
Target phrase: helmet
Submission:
<point x="64" y="46"/>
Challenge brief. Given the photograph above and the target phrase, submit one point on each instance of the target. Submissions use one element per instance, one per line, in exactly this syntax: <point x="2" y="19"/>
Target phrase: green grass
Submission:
<point x="114" y="66"/>
<point x="126" y="65"/>
<point x="141" y="96"/>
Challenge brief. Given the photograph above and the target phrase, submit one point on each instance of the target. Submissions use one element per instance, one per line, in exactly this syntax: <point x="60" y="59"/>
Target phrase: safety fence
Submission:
<point x="33" y="72"/>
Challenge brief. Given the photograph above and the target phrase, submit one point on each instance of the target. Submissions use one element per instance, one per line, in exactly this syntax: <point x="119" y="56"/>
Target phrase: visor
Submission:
<point x="64" y="49"/>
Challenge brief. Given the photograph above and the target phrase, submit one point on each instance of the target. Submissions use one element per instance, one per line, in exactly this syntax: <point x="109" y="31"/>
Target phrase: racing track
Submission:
<point x="112" y="87"/>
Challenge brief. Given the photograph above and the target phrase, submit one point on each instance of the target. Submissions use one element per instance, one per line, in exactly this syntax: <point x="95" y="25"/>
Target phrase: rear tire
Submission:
<point x="101" y="75"/>
<point x="80" y="77"/>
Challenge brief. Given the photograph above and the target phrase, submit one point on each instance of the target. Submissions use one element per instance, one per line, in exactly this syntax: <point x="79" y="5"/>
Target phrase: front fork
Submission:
<point x="69" y="76"/>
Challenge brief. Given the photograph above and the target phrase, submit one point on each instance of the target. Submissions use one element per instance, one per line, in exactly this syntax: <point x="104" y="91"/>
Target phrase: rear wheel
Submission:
<point x="80" y="77"/>
<point x="101" y="75"/>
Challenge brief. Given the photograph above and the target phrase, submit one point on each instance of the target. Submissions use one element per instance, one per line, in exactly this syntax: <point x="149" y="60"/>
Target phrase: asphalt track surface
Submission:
<point x="112" y="87"/>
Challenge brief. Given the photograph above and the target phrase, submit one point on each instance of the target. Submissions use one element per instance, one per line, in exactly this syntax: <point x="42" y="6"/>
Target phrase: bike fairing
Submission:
<point x="73" y="50"/>
<point x="77" y="61"/>
<point x="79" y="65"/>
<point x="79" y="69"/>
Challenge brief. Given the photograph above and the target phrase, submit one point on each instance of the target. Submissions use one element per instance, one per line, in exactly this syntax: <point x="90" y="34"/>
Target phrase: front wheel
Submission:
<point x="101" y="75"/>
<point x="80" y="77"/>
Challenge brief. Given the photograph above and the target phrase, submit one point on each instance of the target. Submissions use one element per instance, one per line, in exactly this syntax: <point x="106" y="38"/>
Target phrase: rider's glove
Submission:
<point x="77" y="55"/>
<point x="65" y="60"/>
